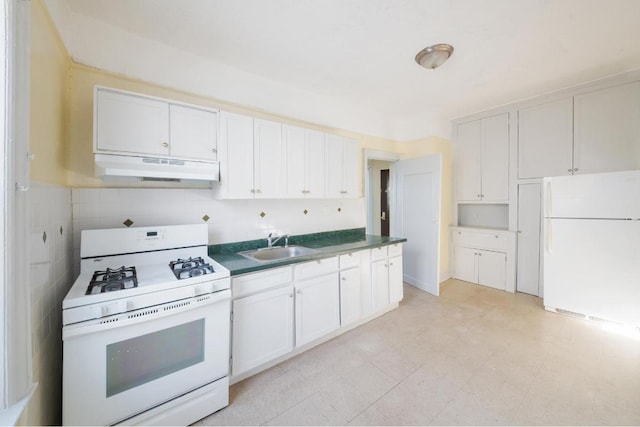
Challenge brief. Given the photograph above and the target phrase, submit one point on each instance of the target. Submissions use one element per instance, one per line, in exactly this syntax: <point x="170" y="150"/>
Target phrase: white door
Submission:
<point x="350" y="296"/>
<point x="468" y="160"/>
<point x="131" y="124"/>
<point x="334" y="166"/>
<point x="236" y="156"/>
<point x="607" y="130"/>
<point x="418" y="219"/>
<point x="293" y="139"/>
<point x="492" y="269"/>
<point x="495" y="158"/>
<point x="193" y="133"/>
<point x="315" y="164"/>
<point x="545" y="139"/>
<point x="268" y="159"/>
<point x="380" y="283"/>
<point x="317" y="308"/>
<point x="465" y="264"/>
<point x="262" y="328"/>
<point x="396" y="292"/>
<point x="529" y="216"/>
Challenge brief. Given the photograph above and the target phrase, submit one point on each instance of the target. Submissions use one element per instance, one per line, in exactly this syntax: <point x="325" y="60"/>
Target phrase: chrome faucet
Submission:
<point x="272" y="240"/>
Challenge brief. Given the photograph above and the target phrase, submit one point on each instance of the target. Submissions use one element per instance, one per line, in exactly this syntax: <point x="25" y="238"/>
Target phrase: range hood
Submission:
<point x="155" y="168"/>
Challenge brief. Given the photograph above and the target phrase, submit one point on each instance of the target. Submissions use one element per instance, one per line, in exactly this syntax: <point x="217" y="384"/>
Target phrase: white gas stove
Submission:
<point x="146" y="328"/>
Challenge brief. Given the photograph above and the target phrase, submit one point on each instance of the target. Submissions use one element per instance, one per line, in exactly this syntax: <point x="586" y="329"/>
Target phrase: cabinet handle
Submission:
<point x="479" y="254"/>
<point x="165" y="144"/>
<point x="575" y="170"/>
<point x="569" y="170"/>
<point x="478" y="196"/>
<point x="214" y="150"/>
<point x="259" y="191"/>
<point x="298" y="291"/>
<point x="344" y="278"/>
<point x="253" y="191"/>
<point x="386" y="265"/>
<point x="343" y="192"/>
<point x="390" y="263"/>
<point x="290" y="295"/>
<point x="496" y="236"/>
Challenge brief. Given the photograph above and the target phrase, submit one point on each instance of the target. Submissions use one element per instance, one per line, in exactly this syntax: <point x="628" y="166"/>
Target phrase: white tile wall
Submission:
<point x="230" y="220"/>
<point x="50" y="265"/>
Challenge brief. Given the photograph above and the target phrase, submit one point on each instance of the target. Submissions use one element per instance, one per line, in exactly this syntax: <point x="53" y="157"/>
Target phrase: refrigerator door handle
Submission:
<point x="549" y="236"/>
<point x="548" y="199"/>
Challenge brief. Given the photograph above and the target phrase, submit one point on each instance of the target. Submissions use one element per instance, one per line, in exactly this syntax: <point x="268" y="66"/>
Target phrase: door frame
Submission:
<point x="384" y="156"/>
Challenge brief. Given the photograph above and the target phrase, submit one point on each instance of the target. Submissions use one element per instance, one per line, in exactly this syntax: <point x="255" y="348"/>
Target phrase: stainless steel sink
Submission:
<point x="277" y="253"/>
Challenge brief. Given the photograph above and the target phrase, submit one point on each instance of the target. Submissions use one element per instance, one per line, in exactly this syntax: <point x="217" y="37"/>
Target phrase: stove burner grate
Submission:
<point x="112" y="279"/>
<point x="191" y="267"/>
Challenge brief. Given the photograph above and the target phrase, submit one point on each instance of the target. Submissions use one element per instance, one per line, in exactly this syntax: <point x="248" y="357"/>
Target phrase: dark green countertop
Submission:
<point x="326" y="244"/>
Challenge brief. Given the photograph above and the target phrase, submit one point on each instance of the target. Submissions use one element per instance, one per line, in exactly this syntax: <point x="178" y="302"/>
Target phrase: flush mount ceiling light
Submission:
<point x="434" y="56"/>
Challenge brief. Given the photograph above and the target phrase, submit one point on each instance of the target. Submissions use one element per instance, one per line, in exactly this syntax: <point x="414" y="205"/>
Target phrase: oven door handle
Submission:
<point x="146" y="314"/>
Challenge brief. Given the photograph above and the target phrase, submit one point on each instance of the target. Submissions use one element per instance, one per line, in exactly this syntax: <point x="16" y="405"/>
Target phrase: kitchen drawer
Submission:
<point x="481" y="240"/>
<point x="251" y="283"/>
<point x="315" y="268"/>
<point x="395" y="249"/>
<point x="378" y="253"/>
<point x="350" y="260"/>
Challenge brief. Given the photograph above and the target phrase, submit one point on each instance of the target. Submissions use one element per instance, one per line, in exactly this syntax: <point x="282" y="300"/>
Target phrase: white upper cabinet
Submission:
<point x="268" y="157"/>
<point x="483" y="159"/>
<point x="235" y="152"/>
<point x="130" y="123"/>
<point x="607" y="129"/>
<point x="192" y="133"/>
<point x="305" y="162"/>
<point x="591" y="132"/>
<point x="342" y="177"/>
<point x="251" y="157"/>
<point x="545" y="139"/>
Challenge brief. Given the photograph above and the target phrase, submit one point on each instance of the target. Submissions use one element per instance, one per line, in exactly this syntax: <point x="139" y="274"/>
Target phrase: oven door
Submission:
<point x="119" y="366"/>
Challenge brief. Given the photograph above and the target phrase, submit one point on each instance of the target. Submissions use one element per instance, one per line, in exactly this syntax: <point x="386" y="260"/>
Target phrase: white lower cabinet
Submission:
<point x="486" y="268"/>
<point x="317" y="308"/>
<point x="350" y="296"/>
<point x="262" y="328"/>
<point x="277" y="311"/>
<point x="486" y="257"/>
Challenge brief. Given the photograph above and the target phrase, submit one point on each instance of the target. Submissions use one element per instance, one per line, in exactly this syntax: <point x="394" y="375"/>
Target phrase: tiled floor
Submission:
<point x="473" y="356"/>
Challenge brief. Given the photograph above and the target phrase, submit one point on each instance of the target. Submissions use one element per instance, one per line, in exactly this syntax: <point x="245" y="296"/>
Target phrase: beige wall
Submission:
<point x="48" y="98"/>
<point x="424" y="147"/>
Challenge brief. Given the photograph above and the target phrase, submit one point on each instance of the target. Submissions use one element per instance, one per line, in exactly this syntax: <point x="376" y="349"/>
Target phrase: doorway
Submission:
<point x="385" y="215"/>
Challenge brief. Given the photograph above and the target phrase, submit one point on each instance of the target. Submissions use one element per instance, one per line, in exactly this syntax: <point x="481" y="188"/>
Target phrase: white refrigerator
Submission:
<point x="592" y="245"/>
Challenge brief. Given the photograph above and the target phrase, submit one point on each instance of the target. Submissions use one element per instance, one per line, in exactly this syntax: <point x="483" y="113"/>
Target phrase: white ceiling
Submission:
<point x="350" y="63"/>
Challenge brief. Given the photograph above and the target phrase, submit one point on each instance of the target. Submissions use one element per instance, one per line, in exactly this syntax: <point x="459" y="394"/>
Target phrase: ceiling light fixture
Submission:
<point x="434" y="56"/>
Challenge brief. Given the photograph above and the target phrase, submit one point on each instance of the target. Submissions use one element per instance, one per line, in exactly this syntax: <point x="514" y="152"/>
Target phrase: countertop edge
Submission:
<point x="228" y="260"/>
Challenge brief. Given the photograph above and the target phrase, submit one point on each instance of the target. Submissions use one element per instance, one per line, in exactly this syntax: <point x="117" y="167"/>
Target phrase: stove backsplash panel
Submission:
<point x="228" y="220"/>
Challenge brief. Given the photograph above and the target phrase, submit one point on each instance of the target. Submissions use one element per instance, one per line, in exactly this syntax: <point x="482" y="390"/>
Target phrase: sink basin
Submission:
<point x="277" y="253"/>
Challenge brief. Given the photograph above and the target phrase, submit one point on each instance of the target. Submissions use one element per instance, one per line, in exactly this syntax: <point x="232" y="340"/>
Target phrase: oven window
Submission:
<point x="139" y="360"/>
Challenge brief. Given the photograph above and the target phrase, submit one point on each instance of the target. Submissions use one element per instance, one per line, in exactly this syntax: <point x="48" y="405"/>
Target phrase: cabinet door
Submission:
<point x="468" y="160"/>
<point x="529" y="216"/>
<point x="293" y="139"/>
<point x="380" y="283"/>
<point x="262" y="328"/>
<point x="236" y="156"/>
<point x="396" y="292"/>
<point x="268" y="159"/>
<point x="607" y="129"/>
<point x="492" y="269"/>
<point x="193" y="133"/>
<point x="465" y="264"/>
<point x="350" y="168"/>
<point x="315" y="164"/>
<point x="317" y="308"/>
<point x="132" y="124"/>
<point x="545" y="139"/>
<point x="495" y="159"/>
<point x="350" y="296"/>
<point x="333" y="174"/>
